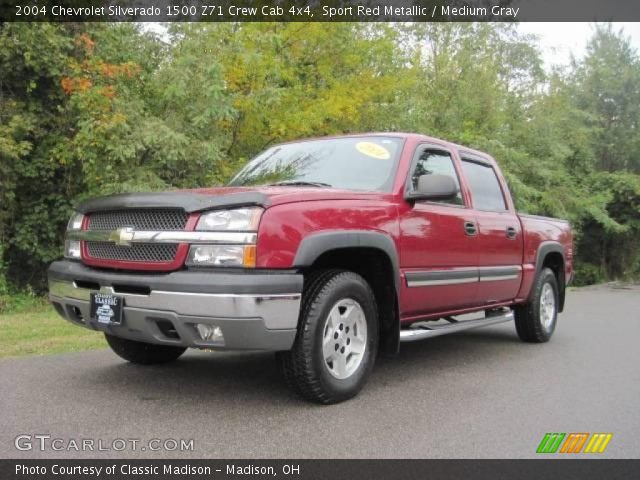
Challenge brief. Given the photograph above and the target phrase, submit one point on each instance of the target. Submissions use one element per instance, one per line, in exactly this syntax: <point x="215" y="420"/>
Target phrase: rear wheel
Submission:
<point x="536" y="320"/>
<point x="337" y="338"/>
<point x="143" y="353"/>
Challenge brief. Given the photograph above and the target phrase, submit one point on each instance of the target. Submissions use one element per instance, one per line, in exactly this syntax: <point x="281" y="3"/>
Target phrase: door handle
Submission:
<point x="470" y="228"/>
<point x="511" y="233"/>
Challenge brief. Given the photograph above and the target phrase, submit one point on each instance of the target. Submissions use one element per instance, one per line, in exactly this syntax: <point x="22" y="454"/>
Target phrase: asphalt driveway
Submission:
<point x="477" y="394"/>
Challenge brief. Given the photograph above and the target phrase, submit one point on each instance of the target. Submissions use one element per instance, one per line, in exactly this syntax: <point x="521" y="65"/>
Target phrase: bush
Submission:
<point x="588" y="274"/>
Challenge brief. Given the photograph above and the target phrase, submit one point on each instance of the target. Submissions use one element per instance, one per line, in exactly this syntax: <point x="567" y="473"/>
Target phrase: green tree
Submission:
<point x="606" y="85"/>
<point x="292" y="80"/>
<point x="91" y="109"/>
<point x="37" y="179"/>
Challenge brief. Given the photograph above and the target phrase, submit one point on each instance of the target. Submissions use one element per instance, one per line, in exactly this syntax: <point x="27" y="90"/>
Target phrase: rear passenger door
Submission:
<point x="499" y="236"/>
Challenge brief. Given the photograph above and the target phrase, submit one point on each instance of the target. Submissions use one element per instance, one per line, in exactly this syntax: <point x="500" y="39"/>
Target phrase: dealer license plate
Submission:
<point x="106" y="308"/>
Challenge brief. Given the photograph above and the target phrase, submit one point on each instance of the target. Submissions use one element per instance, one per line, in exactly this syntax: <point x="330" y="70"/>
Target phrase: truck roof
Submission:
<point x="406" y="135"/>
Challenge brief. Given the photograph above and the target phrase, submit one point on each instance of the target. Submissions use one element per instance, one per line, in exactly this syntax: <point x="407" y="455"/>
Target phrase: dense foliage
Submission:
<point x="90" y="109"/>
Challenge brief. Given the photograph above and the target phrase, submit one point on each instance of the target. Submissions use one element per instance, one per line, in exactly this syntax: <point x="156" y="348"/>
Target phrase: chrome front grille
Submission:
<point x="165" y="219"/>
<point x="139" y="219"/>
<point x="138" y="252"/>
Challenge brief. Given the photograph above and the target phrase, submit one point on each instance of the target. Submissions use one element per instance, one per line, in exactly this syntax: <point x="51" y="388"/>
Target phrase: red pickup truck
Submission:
<point x="325" y="251"/>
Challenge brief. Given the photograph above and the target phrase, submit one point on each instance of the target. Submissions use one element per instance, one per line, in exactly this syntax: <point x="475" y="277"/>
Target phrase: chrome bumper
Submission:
<point x="262" y="321"/>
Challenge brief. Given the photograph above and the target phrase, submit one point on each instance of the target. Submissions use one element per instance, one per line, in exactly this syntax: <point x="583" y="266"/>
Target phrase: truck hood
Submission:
<point x="196" y="200"/>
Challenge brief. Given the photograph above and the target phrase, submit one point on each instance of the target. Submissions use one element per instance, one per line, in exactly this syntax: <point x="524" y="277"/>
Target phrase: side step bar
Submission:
<point x="423" y="331"/>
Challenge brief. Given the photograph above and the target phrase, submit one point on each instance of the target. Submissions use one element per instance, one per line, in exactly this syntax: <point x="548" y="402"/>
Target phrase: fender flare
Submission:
<point x="545" y="249"/>
<point x="316" y="244"/>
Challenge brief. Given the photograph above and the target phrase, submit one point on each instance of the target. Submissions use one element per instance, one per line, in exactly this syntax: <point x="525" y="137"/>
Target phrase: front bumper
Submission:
<point x="256" y="311"/>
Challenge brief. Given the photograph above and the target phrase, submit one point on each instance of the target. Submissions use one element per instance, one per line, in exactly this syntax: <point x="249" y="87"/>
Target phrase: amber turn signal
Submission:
<point x="249" y="257"/>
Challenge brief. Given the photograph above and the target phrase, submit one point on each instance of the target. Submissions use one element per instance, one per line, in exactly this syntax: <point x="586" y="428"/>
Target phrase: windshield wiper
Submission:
<point x="298" y="183"/>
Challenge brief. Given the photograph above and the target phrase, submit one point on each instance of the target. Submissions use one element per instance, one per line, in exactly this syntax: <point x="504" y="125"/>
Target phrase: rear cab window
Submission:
<point x="484" y="185"/>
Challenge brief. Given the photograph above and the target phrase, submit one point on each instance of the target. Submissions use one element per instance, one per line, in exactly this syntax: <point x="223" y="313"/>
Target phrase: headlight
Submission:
<point x="236" y="220"/>
<point x="72" y="247"/>
<point x="239" y="219"/>
<point x="75" y="222"/>
<point x="222" y="256"/>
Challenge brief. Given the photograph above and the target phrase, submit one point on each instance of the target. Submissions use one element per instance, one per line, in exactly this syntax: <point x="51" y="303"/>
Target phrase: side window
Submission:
<point x="484" y="185"/>
<point x="432" y="161"/>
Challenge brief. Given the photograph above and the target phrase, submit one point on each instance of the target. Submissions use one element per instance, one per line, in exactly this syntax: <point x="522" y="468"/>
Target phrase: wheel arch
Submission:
<point x="551" y="255"/>
<point x="374" y="256"/>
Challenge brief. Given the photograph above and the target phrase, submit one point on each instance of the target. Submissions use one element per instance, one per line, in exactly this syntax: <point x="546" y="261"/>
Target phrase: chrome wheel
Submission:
<point x="547" y="306"/>
<point x="344" y="339"/>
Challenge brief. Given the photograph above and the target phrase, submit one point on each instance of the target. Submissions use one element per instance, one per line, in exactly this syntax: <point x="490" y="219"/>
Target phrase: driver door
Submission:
<point x="438" y="255"/>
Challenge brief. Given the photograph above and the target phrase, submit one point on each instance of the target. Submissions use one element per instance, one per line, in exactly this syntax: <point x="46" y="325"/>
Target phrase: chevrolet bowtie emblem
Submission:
<point x="122" y="236"/>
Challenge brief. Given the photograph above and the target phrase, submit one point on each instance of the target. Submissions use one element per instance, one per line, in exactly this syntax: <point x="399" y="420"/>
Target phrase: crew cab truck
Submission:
<point x="325" y="251"/>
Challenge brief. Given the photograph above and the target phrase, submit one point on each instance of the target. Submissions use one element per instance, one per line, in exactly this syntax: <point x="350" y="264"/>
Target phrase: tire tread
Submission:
<point x="528" y="325"/>
<point x="297" y="364"/>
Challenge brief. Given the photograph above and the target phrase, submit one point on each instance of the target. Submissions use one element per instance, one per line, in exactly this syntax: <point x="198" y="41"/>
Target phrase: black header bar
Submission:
<point x="318" y="469"/>
<point x="318" y="10"/>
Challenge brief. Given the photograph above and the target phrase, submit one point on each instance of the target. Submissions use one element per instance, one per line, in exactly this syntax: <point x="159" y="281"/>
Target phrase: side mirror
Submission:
<point x="434" y="187"/>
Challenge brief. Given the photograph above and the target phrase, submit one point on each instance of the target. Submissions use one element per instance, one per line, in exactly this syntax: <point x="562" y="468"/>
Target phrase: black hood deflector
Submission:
<point x="190" y="202"/>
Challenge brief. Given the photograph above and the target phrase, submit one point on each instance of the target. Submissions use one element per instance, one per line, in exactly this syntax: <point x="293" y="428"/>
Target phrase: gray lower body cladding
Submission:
<point x="254" y="310"/>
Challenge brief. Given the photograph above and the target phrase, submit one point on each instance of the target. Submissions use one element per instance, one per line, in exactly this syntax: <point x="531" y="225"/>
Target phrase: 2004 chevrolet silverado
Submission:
<point x="325" y="251"/>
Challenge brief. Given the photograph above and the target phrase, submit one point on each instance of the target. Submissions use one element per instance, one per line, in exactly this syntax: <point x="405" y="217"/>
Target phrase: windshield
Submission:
<point x="353" y="163"/>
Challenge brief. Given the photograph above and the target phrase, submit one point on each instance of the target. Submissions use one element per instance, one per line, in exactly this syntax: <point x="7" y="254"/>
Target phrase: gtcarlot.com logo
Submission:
<point x="45" y="442"/>
<point x="574" y="443"/>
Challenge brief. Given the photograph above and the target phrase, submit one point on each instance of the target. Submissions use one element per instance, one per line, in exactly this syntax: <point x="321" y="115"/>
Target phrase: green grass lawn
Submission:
<point x="34" y="328"/>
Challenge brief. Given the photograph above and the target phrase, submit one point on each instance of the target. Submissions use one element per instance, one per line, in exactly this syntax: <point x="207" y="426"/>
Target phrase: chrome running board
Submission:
<point x="422" y="330"/>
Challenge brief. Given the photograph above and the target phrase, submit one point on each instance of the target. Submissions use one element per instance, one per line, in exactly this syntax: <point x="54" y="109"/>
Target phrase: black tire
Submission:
<point x="529" y="318"/>
<point x="304" y="367"/>
<point x="143" y="353"/>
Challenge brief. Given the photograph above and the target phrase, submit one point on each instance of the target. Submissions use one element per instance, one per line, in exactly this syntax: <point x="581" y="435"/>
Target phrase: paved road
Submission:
<point x="476" y="394"/>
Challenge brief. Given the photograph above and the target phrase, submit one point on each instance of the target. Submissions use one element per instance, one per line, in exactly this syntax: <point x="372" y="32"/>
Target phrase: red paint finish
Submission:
<point x="538" y="230"/>
<point x="498" y="250"/>
<point x="433" y="238"/>
<point x="428" y="237"/>
<point x="282" y="228"/>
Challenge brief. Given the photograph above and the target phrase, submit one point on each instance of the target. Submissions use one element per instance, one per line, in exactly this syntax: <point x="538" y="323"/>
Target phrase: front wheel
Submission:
<point x="536" y="320"/>
<point x="143" y="353"/>
<point x="337" y="338"/>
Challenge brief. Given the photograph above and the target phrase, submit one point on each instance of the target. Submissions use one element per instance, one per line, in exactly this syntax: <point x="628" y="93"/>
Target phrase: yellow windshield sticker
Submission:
<point x="373" y="150"/>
